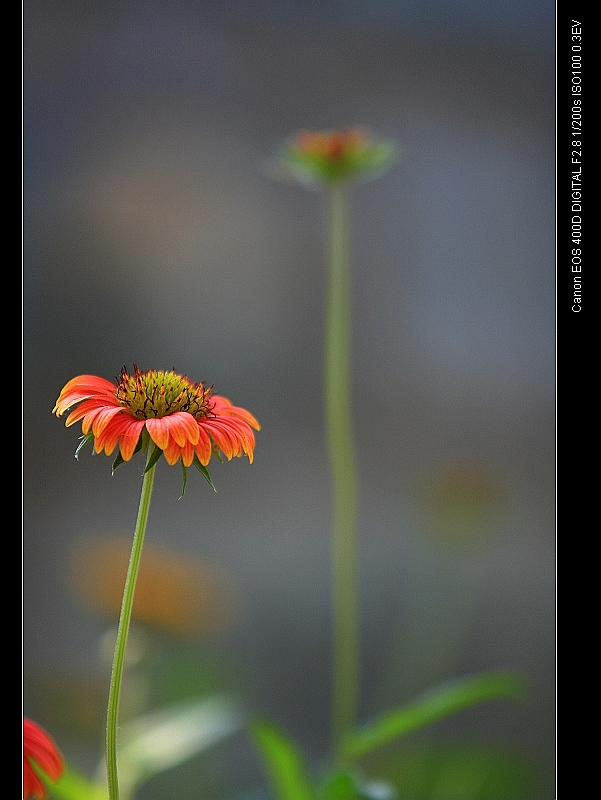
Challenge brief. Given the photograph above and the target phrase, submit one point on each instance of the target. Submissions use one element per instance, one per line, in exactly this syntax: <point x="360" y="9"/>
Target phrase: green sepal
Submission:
<point x="156" y="454"/>
<point x="202" y="469"/>
<point x="314" y="169"/>
<point x="89" y="437"/>
<point x="184" y="479"/>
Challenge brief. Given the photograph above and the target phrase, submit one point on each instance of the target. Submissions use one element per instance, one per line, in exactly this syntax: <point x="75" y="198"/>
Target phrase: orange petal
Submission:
<point x="225" y="408"/>
<point x="87" y="407"/>
<point x="172" y="452"/>
<point x="182" y="427"/>
<point x="187" y="454"/>
<point x="204" y="448"/>
<point x="103" y="417"/>
<point x="39" y="748"/>
<point x="108" y="438"/>
<point x="83" y="387"/>
<point x="158" y="428"/>
<point x="129" y="438"/>
<point x="221" y="437"/>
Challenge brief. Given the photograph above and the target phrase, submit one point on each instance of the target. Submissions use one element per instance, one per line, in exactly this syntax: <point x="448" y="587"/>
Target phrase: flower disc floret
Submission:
<point x="155" y="393"/>
<point x="185" y="420"/>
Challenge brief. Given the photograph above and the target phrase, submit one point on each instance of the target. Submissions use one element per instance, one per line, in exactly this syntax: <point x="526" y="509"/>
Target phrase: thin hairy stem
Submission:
<point x="122" y="632"/>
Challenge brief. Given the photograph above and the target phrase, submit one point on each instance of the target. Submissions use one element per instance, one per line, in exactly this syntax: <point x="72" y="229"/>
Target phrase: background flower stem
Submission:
<point x="123" y="630"/>
<point x="339" y="433"/>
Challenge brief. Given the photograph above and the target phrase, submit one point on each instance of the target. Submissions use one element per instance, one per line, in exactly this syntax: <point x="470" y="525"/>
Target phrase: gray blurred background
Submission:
<point x="154" y="234"/>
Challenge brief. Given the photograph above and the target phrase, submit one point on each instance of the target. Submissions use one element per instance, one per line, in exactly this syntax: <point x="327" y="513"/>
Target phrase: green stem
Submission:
<point x="342" y="463"/>
<point x="123" y="630"/>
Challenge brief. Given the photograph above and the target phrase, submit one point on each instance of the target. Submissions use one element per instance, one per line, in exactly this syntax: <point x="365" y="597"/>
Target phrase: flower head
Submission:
<point x="322" y="157"/>
<point x="38" y="748"/>
<point x="184" y="420"/>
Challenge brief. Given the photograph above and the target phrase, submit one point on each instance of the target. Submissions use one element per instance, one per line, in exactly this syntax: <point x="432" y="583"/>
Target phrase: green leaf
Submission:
<point x="444" y="768"/>
<point x="167" y="737"/>
<point x="73" y="786"/>
<point x="343" y="785"/>
<point x="441" y="702"/>
<point x="338" y="786"/>
<point x="283" y="761"/>
<point x="201" y="468"/>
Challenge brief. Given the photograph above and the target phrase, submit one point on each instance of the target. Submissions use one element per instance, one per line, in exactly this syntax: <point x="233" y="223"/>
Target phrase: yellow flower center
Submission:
<point x="156" y="393"/>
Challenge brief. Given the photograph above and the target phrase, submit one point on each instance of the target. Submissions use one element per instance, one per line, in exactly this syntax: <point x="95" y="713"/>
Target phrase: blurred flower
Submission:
<point x="322" y="157"/>
<point x="174" y="593"/>
<point x="460" y="501"/>
<point x="38" y="748"/>
<point x="183" y="419"/>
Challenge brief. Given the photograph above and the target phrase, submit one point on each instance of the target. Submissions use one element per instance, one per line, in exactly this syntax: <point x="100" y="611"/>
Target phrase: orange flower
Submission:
<point x="182" y="418"/>
<point x="317" y="157"/>
<point x="38" y="747"/>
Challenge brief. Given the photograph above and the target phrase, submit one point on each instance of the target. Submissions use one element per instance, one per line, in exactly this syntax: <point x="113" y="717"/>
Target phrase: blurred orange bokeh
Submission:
<point x="174" y="592"/>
